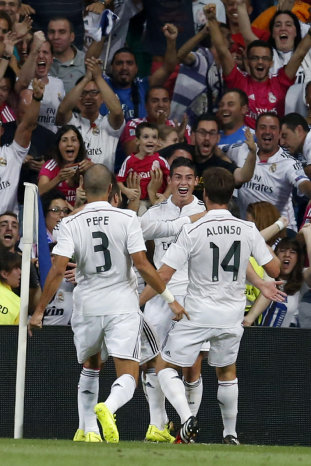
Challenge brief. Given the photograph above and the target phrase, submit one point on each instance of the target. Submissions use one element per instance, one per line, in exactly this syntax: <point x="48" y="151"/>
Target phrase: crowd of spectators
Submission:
<point x="224" y="88"/>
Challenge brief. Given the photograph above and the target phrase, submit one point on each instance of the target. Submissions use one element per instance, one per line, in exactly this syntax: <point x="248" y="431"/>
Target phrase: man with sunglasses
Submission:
<point x="100" y="133"/>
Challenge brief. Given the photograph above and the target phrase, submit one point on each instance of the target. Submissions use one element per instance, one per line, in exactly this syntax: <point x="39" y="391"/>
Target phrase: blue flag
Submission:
<point x="44" y="257"/>
<point x="107" y="22"/>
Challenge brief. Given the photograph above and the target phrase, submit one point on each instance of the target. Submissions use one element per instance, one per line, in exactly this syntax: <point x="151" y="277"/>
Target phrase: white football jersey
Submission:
<point x="272" y="181"/>
<point x="100" y="138"/>
<point x="101" y="238"/>
<point x="217" y="249"/>
<point x="54" y="92"/>
<point x="11" y="160"/>
<point x="151" y="226"/>
<point x="59" y="310"/>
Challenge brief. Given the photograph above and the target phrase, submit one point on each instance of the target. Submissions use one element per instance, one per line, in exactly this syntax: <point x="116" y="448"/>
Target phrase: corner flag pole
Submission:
<point x="30" y="201"/>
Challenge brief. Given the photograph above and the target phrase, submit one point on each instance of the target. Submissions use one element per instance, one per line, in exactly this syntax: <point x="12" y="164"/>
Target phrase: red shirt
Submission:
<point x="260" y="33"/>
<point x="267" y="96"/>
<point x="143" y="167"/>
<point x="51" y="170"/>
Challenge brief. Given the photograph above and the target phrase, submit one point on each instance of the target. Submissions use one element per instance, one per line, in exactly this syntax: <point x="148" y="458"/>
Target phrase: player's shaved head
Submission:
<point x="97" y="181"/>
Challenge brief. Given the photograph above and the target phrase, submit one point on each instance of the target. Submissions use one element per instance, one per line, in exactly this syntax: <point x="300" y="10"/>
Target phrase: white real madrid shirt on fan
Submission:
<point x="272" y="181"/>
<point x="151" y="225"/>
<point x="54" y="92"/>
<point x="100" y="138"/>
<point x="59" y="309"/>
<point x="217" y="249"/>
<point x="101" y="238"/>
<point x="11" y="159"/>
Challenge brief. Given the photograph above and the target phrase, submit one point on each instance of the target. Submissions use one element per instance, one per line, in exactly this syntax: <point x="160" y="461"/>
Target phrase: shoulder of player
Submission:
<point x="96" y="210"/>
<point x="197" y="201"/>
<point x="209" y="220"/>
<point x="286" y="158"/>
<point x="159" y="206"/>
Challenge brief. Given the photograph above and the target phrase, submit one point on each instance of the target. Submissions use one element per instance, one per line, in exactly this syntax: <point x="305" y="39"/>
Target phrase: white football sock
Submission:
<point x="174" y="390"/>
<point x="122" y="391"/>
<point x="194" y="392"/>
<point x="87" y="398"/>
<point x="227" y="397"/>
<point x="155" y="398"/>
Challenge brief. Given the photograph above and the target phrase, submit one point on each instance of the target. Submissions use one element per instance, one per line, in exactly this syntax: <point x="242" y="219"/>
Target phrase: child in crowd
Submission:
<point x="167" y="136"/>
<point x="143" y="162"/>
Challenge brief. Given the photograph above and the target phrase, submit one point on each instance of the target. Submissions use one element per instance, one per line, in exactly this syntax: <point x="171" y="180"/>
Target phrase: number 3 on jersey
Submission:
<point x="234" y="252"/>
<point x="103" y="247"/>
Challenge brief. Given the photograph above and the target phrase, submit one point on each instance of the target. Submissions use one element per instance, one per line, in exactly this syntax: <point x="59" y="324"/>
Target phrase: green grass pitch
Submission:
<point x="67" y="453"/>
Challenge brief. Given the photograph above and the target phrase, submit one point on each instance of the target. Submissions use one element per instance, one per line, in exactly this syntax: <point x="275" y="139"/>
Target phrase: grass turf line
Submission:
<point x="35" y="452"/>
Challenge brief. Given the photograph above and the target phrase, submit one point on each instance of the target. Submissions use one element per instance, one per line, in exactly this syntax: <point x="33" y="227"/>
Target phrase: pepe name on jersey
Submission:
<point x="97" y="221"/>
<point x="223" y="230"/>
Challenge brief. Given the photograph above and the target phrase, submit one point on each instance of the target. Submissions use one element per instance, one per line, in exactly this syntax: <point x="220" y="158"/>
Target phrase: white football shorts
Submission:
<point x="184" y="343"/>
<point x="112" y="335"/>
<point x="150" y="347"/>
<point x="160" y="318"/>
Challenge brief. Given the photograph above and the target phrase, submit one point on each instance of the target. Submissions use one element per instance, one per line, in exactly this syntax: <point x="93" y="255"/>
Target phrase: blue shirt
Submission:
<point x="235" y="138"/>
<point x="125" y="96"/>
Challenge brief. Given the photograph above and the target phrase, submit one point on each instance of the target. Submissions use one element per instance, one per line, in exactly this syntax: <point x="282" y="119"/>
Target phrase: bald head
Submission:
<point x="97" y="181"/>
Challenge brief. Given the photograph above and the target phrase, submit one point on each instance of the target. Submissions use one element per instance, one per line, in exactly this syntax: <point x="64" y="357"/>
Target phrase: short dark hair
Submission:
<point x="115" y="188"/>
<point x="8" y="262"/>
<point x="182" y="162"/>
<point x="10" y="213"/>
<point x="218" y="185"/>
<point x="62" y="18"/>
<point x="48" y="197"/>
<point x="145" y="124"/>
<point x="205" y="117"/>
<point x="152" y="88"/>
<point x="267" y="114"/>
<point x="292" y="120"/>
<point x="242" y="94"/>
<point x="168" y="151"/>
<point x="259" y="43"/>
<point x="122" y="50"/>
<point x="56" y="153"/>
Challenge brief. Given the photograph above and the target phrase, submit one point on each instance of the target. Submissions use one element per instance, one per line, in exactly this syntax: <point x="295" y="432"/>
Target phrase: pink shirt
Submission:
<point x="51" y="170"/>
<point x="267" y="96"/>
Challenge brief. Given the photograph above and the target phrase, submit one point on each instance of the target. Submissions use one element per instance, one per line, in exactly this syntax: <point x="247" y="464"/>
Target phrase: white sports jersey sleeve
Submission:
<point x="155" y="228"/>
<point x="102" y="238"/>
<point x="217" y="249"/>
<point x="162" y="222"/>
